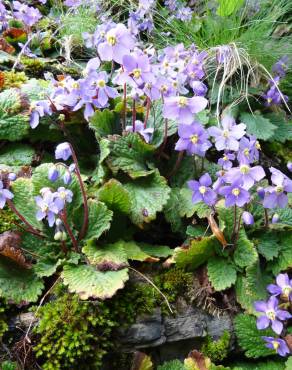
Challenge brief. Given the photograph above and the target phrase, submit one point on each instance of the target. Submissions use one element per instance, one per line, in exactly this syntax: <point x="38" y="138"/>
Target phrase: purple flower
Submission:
<point x="248" y="150"/>
<point x="280" y="67"/>
<point x="199" y="88"/>
<point x="53" y="174"/>
<point x="271" y="315"/>
<point x="4" y="195"/>
<point x="118" y="42"/>
<point x="12" y="176"/>
<point x="47" y="207"/>
<point x="227" y="138"/>
<point x="182" y="108"/>
<point x="289" y="166"/>
<point x="193" y="139"/>
<point x="103" y="92"/>
<point x="276" y="196"/>
<point x="202" y="191"/>
<point x="261" y="192"/>
<point x="184" y="13"/>
<point x="275" y="218"/>
<point x="225" y="161"/>
<point x="75" y="3"/>
<point x="137" y="69"/>
<point x="234" y="194"/>
<point x="279" y="345"/>
<point x="63" y="151"/>
<point x="283" y="287"/>
<point x="67" y="178"/>
<point x="62" y="196"/>
<point x="26" y="14"/>
<point x="247" y="218"/>
<point x="38" y="110"/>
<point x="223" y="54"/>
<point x="246" y="175"/>
<point x="139" y="127"/>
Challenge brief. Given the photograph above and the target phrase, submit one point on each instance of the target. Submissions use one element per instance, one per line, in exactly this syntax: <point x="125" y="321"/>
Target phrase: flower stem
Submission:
<point x="125" y="106"/>
<point x="177" y="164"/>
<point x="148" y="105"/>
<point x="63" y="217"/>
<point x="31" y="229"/>
<point x="85" y="204"/>
<point x="234" y="221"/>
<point x="266" y="219"/>
<point x="134" y="115"/>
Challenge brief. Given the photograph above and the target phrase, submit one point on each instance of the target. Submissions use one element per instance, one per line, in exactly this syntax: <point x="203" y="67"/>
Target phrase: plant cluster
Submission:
<point x="140" y="152"/>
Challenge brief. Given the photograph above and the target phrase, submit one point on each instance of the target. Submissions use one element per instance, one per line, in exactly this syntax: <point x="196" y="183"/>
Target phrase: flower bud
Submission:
<point x="53" y="174"/>
<point x="72" y="167"/>
<point x="289" y="166"/>
<point x="59" y="222"/>
<point x="63" y="151"/>
<point x="261" y="192"/>
<point x="67" y="178"/>
<point x="64" y="236"/>
<point x="247" y="218"/>
<point x="58" y="235"/>
<point x="275" y="218"/>
<point x="12" y="176"/>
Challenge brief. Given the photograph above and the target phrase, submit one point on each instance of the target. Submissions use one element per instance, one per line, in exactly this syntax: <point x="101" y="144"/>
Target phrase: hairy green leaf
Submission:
<point x="221" y="273"/>
<point x="188" y="209"/>
<point x="104" y="123"/>
<point x="268" y="245"/>
<point x="283" y="130"/>
<point x="245" y="253"/>
<point x="250" y="338"/>
<point x="115" y="196"/>
<point x="284" y="260"/>
<point x="149" y="195"/>
<point x="269" y="365"/>
<point x="17" y="155"/>
<point x="259" y="126"/>
<point x="99" y="219"/>
<point x="87" y="282"/>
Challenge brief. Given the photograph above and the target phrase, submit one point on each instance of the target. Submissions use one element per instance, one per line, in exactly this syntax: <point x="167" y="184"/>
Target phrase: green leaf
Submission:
<point x="284" y="260"/>
<point x="24" y="201"/>
<point x="99" y="219"/>
<point x="228" y="7"/>
<point x="87" y="282"/>
<point x="17" y="155"/>
<point x="130" y="154"/>
<point x="36" y="89"/>
<point x="115" y="196"/>
<point x="156" y="250"/>
<point x="149" y="196"/>
<point x="199" y="252"/>
<point x="172" y="365"/>
<point x="46" y="267"/>
<point x="171" y="210"/>
<point x="283" y="130"/>
<point x="18" y="284"/>
<point x="270" y="365"/>
<point x="187" y="208"/>
<point x="105" y="123"/>
<point x="257" y="125"/>
<point x="14" y="115"/>
<point x="250" y="338"/>
<point x="285" y="218"/>
<point x="268" y="245"/>
<point x="252" y="287"/>
<point x="107" y="257"/>
<point x="288" y="364"/>
<point x="157" y="122"/>
<point x="245" y="253"/>
<point x="221" y="273"/>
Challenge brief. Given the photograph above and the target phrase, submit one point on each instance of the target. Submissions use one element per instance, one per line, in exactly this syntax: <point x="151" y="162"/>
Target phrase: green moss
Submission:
<point x="217" y="350"/>
<point x="7" y="219"/>
<point x="34" y="66"/>
<point x="174" y="283"/>
<point x="13" y="79"/>
<point x="73" y="334"/>
<point x="3" y="318"/>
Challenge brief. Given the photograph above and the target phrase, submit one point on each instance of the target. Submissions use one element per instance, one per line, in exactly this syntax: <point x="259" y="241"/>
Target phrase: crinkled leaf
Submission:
<point x="149" y="196"/>
<point x="171" y="210"/>
<point x="130" y="154"/>
<point x="222" y="274"/>
<point x="268" y="245"/>
<point x="87" y="282"/>
<point x="172" y="365"/>
<point x="288" y="364"/>
<point x="197" y="253"/>
<point x="258" y="125"/>
<point x="17" y="155"/>
<point x="105" y="123"/>
<point x="284" y="259"/>
<point x="18" y="284"/>
<point x="188" y="209"/>
<point x="36" y="89"/>
<point x="115" y="196"/>
<point x="162" y="251"/>
<point x="24" y="201"/>
<point x="14" y="116"/>
<point x="250" y="338"/>
<point x="46" y="266"/>
<point x="283" y="130"/>
<point x="245" y="253"/>
<point x="269" y="365"/>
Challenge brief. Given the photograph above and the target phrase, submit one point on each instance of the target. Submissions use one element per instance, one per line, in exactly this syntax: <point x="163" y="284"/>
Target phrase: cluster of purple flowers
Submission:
<point x="142" y="19"/>
<point x="274" y="96"/>
<point x="27" y="14"/>
<point x="272" y="315"/>
<point x="179" y="10"/>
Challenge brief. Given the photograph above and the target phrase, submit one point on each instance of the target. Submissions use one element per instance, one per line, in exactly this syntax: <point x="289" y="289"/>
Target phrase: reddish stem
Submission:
<point x="69" y="231"/>
<point x="31" y="229"/>
<point x="148" y="105"/>
<point x="85" y="204"/>
<point x="177" y="164"/>
<point x="125" y="106"/>
<point x="134" y="115"/>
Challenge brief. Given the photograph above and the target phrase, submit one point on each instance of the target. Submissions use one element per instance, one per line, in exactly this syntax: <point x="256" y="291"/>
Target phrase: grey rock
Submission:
<point x="217" y="325"/>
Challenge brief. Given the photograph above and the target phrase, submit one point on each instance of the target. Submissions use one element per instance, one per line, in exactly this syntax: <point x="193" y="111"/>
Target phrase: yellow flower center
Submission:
<point x="101" y="83"/>
<point x="202" y="189"/>
<point x="194" y="139"/>
<point x="244" y="169"/>
<point x="246" y="152"/>
<point x="182" y="102"/>
<point x="271" y="314"/>
<point x="286" y="291"/>
<point x="236" y="192"/>
<point x="279" y="189"/>
<point x="225" y="133"/>
<point x="258" y="145"/>
<point x="164" y="88"/>
<point x="63" y="194"/>
<point x="137" y="72"/>
<point x="45" y="208"/>
<point x="275" y="345"/>
<point x="112" y="40"/>
<point x="269" y="100"/>
<point x="165" y="64"/>
<point x="225" y="158"/>
<point x="75" y="85"/>
<point x="148" y="85"/>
